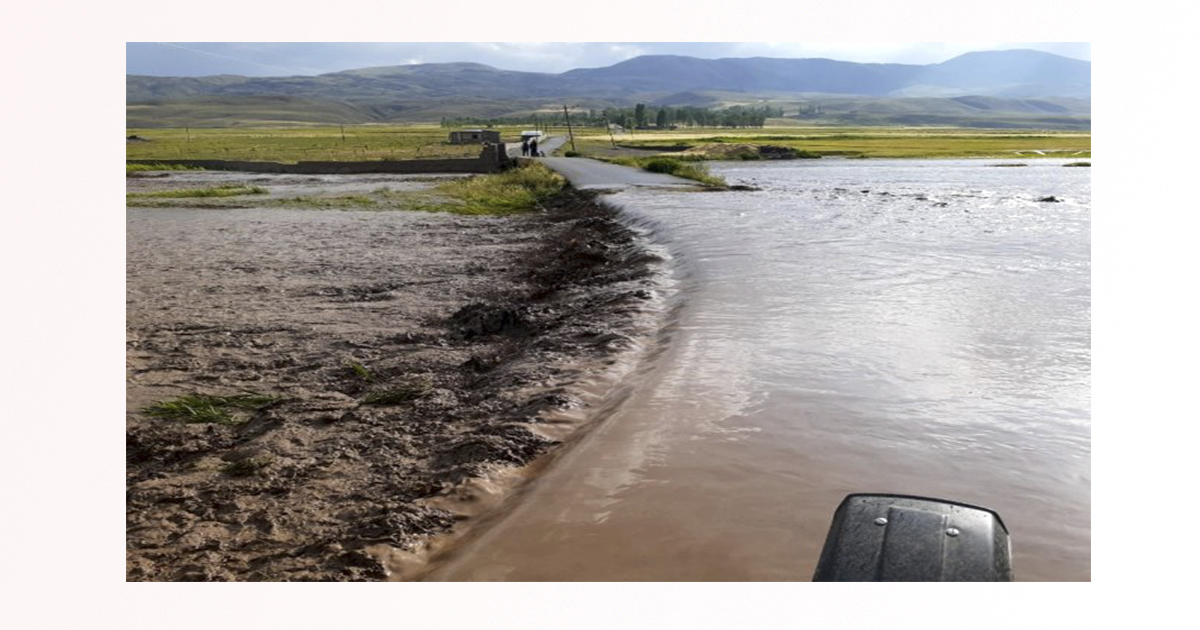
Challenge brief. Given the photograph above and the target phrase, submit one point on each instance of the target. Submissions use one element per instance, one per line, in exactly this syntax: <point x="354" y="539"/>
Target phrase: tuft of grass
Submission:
<point x="231" y="190"/>
<point x="398" y="395"/>
<point x="1078" y="164"/>
<point x="516" y="190"/>
<point x="209" y="409"/>
<point x="338" y="202"/>
<point x="247" y="467"/>
<point x="361" y="371"/>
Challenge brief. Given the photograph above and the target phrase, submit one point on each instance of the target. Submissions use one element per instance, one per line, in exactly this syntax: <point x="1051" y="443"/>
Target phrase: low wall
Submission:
<point x="492" y="159"/>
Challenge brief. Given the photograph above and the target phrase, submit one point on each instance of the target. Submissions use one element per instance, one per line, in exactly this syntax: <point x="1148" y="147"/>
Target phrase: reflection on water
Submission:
<point x="854" y="326"/>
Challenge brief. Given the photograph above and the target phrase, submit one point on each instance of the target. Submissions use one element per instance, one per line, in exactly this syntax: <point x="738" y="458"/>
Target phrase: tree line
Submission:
<point x="639" y="116"/>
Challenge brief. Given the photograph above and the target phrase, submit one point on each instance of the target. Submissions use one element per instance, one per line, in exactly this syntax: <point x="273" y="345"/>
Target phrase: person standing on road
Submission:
<point x="533" y="147"/>
<point x="524" y="147"/>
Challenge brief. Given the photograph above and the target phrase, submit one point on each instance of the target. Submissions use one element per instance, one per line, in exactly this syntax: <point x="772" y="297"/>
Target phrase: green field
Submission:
<point x="296" y="144"/>
<point x="401" y="142"/>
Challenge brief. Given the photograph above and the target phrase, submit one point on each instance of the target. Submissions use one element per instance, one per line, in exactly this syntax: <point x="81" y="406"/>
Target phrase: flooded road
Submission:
<point x="915" y="327"/>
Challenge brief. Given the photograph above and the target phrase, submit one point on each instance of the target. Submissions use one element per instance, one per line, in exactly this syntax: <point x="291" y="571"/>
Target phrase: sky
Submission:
<point x="309" y="58"/>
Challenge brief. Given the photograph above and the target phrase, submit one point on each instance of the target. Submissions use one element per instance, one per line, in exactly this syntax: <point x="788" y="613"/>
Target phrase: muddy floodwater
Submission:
<point x="914" y="327"/>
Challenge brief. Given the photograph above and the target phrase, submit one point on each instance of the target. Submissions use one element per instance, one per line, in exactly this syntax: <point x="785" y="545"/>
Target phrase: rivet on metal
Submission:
<point x="881" y="521"/>
<point x="952" y="531"/>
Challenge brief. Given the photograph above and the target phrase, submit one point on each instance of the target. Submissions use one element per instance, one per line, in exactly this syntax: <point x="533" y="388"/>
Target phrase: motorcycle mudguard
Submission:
<point x="899" y="538"/>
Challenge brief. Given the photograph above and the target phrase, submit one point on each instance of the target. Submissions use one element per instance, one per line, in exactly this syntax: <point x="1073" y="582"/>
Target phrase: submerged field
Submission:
<point x="510" y="192"/>
<point x="860" y="142"/>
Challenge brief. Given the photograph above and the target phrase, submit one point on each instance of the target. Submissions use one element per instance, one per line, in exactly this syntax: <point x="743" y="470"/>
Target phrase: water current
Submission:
<point x="914" y="327"/>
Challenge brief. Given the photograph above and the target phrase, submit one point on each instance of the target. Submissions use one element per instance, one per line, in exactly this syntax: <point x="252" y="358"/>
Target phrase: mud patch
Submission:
<point x="408" y="352"/>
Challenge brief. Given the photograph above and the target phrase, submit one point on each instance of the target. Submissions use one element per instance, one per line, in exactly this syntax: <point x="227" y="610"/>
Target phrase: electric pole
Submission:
<point x="570" y="133"/>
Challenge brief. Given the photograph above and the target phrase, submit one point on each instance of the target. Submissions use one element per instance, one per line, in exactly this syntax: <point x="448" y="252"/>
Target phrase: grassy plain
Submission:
<point x="401" y="142"/>
<point x="295" y="144"/>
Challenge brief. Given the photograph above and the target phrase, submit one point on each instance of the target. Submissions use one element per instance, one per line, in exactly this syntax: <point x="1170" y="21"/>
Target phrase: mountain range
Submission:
<point x="1006" y="86"/>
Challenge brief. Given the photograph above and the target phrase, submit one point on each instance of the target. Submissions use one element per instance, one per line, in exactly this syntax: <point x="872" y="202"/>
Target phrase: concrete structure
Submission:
<point x="474" y="136"/>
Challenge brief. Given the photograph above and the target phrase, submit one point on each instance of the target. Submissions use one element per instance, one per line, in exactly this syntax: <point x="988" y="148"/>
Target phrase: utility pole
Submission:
<point x="608" y="125"/>
<point x="569" y="131"/>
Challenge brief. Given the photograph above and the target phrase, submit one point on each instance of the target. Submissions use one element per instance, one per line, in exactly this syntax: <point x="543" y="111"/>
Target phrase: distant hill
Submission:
<point x="1013" y="73"/>
<point x="427" y="92"/>
<point x="752" y="74"/>
<point x="961" y="111"/>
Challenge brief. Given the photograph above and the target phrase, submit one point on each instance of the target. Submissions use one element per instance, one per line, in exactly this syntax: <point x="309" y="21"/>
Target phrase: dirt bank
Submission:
<point x="397" y="354"/>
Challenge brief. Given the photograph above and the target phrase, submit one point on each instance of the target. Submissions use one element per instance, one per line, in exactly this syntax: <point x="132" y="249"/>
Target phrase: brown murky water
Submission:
<point x="908" y="327"/>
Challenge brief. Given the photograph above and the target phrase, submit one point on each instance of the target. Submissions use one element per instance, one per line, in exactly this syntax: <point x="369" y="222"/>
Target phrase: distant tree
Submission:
<point x="661" y="119"/>
<point x="639" y="114"/>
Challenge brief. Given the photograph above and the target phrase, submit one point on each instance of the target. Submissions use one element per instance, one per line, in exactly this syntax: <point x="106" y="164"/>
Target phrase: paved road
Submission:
<point x="548" y="147"/>
<point x="584" y="173"/>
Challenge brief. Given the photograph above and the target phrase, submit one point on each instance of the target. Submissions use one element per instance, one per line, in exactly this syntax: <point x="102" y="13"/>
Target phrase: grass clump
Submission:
<point x="209" y="409"/>
<point x="247" y="467"/>
<point x="132" y="168"/>
<point x="399" y="395"/>
<point x="515" y="190"/>
<point x="686" y="168"/>
<point x="360" y="371"/>
<point x="1078" y="164"/>
<point x="342" y="202"/>
<point x="231" y="190"/>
